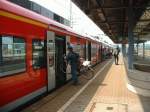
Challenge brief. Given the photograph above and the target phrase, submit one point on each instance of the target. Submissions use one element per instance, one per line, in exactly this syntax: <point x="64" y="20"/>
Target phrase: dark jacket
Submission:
<point x="72" y="58"/>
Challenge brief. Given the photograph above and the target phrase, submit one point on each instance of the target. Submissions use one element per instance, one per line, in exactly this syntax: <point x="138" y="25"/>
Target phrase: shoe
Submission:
<point x="75" y="83"/>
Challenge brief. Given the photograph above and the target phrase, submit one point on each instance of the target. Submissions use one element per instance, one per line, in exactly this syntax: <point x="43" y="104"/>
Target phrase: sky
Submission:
<point x="80" y="22"/>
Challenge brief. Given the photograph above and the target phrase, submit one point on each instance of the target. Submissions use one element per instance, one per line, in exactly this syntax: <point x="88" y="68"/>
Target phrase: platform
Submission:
<point x="107" y="92"/>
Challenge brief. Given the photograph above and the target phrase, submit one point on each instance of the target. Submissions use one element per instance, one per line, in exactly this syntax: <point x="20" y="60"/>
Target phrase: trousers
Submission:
<point x="116" y="59"/>
<point x="74" y="72"/>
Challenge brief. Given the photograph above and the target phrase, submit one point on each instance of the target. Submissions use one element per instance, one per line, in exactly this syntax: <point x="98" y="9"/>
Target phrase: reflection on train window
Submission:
<point x="38" y="54"/>
<point x="93" y="53"/>
<point x="12" y="55"/>
<point x="79" y="48"/>
<point x="76" y="48"/>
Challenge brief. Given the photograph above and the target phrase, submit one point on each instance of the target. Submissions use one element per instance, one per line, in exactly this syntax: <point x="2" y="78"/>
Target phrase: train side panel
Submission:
<point x="16" y="86"/>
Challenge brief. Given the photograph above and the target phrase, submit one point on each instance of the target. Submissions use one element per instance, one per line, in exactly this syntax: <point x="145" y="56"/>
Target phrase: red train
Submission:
<point x="31" y="50"/>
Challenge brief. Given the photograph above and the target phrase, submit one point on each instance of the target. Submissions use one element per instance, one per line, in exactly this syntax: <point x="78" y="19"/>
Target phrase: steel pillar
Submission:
<point x="124" y="50"/>
<point x="137" y="48"/>
<point x="130" y="37"/>
<point x="143" y="50"/>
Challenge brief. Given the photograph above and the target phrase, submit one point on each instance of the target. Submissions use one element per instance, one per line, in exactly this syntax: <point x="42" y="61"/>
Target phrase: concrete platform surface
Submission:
<point x="107" y="92"/>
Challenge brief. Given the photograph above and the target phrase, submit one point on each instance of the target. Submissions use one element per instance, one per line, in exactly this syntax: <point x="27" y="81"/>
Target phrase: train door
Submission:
<point x="101" y="52"/>
<point x="60" y="50"/>
<point x="50" y="60"/>
<point x="68" y="76"/>
<point x="89" y="51"/>
<point x="86" y="50"/>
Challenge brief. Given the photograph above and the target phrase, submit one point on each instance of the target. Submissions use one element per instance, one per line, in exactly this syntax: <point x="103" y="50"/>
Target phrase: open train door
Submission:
<point x="51" y="60"/>
<point x="60" y="52"/>
<point x="68" y="76"/>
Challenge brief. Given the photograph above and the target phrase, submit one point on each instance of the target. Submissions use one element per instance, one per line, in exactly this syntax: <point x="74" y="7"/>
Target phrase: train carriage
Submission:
<point x="31" y="50"/>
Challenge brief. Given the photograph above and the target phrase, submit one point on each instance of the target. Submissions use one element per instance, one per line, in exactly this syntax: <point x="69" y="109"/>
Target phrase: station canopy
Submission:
<point x="112" y="17"/>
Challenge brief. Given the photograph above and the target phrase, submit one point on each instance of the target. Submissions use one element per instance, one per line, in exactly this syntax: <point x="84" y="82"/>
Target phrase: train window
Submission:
<point x="38" y="54"/>
<point x="12" y="55"/>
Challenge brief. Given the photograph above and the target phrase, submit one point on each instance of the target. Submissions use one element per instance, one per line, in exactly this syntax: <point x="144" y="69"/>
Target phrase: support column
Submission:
<point x="143" y="49"/>
<point x="124" y="50"/>
<point x="138" y="45"/>
<point x="130" y="37"/>
<point x="137" y="48"/>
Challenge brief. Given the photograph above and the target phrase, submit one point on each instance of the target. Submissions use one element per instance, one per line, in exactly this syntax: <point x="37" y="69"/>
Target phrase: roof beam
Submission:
<point x="144" y="20"/>
<point x="111" y="22"/>
<point x="120" y="22"/>
<point x="119" y="7"/>
<point x="109" y="27"/>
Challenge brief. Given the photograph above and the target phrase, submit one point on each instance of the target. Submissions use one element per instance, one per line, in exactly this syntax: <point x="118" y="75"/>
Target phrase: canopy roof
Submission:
<point x="112" y="17"/>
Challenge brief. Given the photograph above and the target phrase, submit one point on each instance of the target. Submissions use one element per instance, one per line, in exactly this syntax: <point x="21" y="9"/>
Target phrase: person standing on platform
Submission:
<point x="116" y="55"/>
<point x="72" y="59"/>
